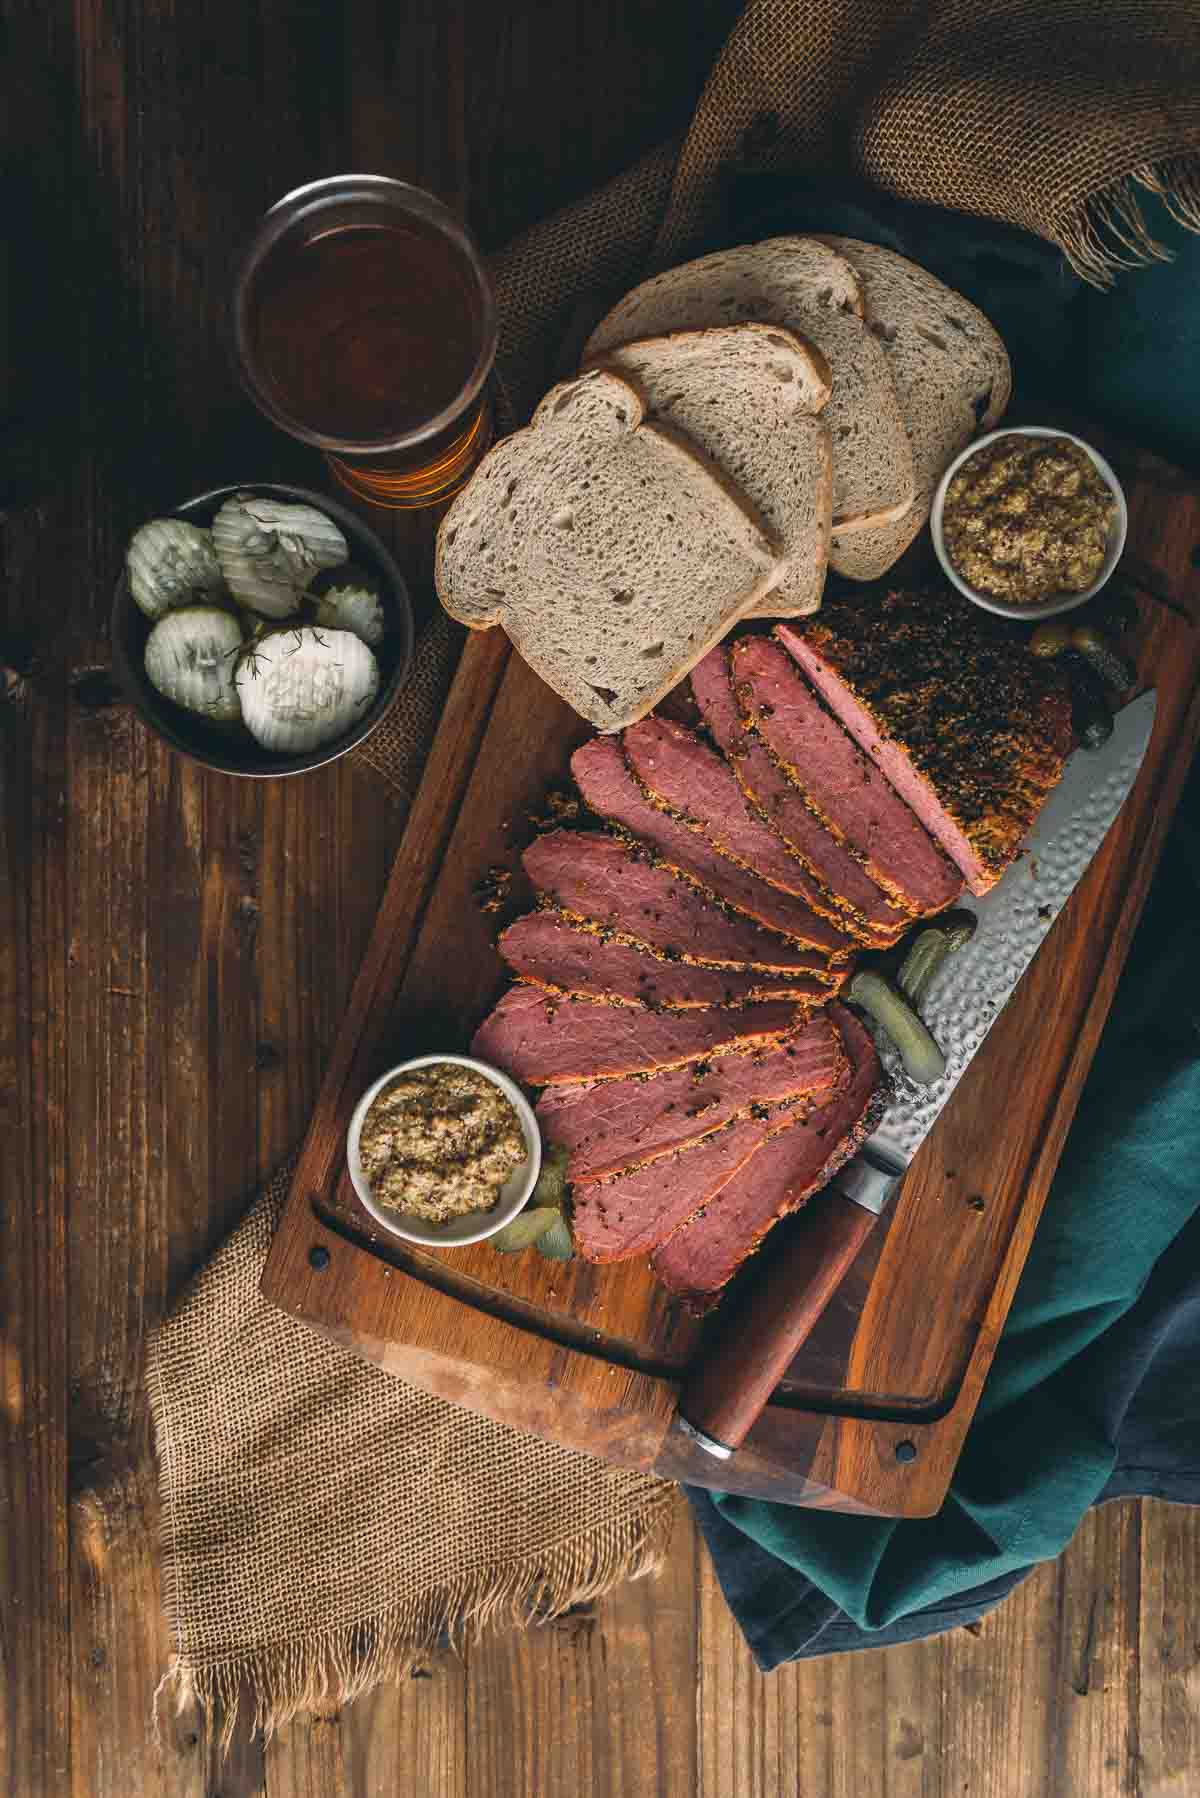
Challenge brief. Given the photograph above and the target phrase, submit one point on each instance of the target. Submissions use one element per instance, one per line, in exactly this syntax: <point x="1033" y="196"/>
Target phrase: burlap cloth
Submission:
<point x="290" y="1470"/>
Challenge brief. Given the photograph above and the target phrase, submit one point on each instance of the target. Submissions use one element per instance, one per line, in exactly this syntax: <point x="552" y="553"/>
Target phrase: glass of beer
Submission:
<point x="364" y="323"/>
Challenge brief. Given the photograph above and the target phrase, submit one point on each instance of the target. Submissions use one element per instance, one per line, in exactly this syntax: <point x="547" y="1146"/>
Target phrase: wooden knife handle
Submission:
<point x="747" y="1360"/>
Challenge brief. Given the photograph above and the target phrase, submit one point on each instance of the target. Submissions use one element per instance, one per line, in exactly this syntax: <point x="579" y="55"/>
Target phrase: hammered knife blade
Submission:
<point x="728" y="1390"/>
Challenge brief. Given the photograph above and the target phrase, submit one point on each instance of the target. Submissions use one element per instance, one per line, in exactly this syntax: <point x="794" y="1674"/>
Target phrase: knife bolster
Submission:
<point x="870" y="1178"/>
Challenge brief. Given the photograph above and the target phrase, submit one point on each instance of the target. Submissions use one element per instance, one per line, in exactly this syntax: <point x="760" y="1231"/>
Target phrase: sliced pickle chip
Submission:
<point x="172" y="563"/>
<point x="301" y="687"/>
<point x="269" y="552"/>
<point x="551" y="1188"/>
<point x="525" y="1229"/>
<point x="191" y="656"/>
<point x="556" y="1244"/>
<point x="349" y="599"/>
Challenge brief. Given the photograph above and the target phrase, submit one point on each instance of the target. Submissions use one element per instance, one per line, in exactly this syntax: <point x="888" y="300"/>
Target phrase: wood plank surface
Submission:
<point x="1169" y="1688"/>
<point x="177" y="949"/>
<point x="416" y="1729"/>
<point x="602" y="1701"/>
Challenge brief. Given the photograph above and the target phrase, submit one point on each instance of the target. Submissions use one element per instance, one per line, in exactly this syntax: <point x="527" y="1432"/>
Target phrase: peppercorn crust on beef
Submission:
<point x="676" y="990"/>
<point x="970" y="729"/>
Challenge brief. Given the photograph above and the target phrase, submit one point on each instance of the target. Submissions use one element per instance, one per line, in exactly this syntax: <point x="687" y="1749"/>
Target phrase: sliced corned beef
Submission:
<point x="599" y="878"/>
<point x="968" y="727"/>
<point x="614" y="1220"/>
<point x="609" y="788"/>
<point x="542" y="1040"/>
<point x="698" y="787"/>
<point x="783" y="810"/>
<point x="838" y="780"/>
<point x="617" y="1124"/>
<point x="787" y="1169"/>
<point x="546" y="948"/>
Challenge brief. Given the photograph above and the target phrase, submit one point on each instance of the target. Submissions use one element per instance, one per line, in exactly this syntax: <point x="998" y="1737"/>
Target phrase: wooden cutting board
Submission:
<point x="872" y="1414"/>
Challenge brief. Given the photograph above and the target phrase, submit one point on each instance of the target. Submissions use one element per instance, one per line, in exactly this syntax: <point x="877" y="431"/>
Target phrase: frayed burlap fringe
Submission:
<point x="320" y="1672"/>
<point x="1048" y="117"/>
<point x="284" y="1461"/>
<point x="1107" y="232"/>
<point x="1176" y="181"/>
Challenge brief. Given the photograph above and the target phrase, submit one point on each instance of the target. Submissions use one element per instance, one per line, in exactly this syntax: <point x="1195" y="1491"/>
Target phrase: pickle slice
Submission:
<point x="551" y="1188"/>
<point x="301" y="687"/>
<point x="190" y="658"/>
<point x="525" y="1229"/>
<point x="172" y="563"/>
<point x="348" y="599"/>
<point x="269" y="551"/>
<point x="556" y="1243"/>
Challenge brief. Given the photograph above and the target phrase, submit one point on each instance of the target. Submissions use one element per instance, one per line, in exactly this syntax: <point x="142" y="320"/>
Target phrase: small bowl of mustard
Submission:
<point x="443" y="1150"/>
<point x="1029" y="522"/>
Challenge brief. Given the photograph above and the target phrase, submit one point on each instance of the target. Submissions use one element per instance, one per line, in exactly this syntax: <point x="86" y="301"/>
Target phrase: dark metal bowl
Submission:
<point x="235" y="751"/>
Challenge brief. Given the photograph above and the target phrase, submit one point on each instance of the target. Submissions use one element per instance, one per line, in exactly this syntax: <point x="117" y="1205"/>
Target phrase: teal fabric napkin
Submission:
<point x="1136" y="361"/>
<point x="1129" y="355"/>
<point x="1043" y="1444"/>
<point x="1040" y="1450"/>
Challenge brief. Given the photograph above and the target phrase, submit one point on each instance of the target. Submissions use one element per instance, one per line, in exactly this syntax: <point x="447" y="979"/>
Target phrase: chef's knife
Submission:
<point x="739" y="1371"/>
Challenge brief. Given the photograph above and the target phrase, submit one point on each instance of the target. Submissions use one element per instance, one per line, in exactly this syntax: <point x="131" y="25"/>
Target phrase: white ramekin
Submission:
<point x="476" y="1226"/>
<point x="1061" y="602"/>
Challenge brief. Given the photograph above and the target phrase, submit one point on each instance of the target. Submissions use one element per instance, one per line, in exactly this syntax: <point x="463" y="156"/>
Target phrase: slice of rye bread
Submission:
<point x="617" y="1124"/>
<point x="871" y="915"/>
<point x="952" y="377"/>
<point x="748" y="394"/>
<point x="609" y="788"/>
<point x="543" y="1041"/>
<point x="547" y="949"/>
<point x="838" y="780"/>
<point x="806" y="287"/>
<point x="613" y="554"/>
<point x="625" y="894"/>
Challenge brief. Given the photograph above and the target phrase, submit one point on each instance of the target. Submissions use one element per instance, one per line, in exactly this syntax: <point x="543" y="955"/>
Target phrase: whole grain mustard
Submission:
<point x="440" y="1142"/>
<point x="1027" y="518"/>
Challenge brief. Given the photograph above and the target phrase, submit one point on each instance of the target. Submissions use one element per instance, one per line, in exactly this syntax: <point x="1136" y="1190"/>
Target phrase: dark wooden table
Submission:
<point x="176" y="949"/>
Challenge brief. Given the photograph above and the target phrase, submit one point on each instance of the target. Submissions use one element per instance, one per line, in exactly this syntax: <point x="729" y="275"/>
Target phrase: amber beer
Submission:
<point x="364" y="323"/>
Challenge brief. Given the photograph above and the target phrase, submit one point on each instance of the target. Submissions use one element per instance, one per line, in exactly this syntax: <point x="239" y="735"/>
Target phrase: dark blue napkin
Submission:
<point x="1093" y="1393"/>
<point x="1129" y="356"/>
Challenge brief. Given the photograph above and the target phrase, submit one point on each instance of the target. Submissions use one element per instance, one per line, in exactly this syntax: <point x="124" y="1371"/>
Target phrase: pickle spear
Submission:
<point x="923" y="1060"/>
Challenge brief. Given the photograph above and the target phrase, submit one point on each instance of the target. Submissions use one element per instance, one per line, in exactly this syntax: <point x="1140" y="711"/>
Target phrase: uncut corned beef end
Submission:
<point x="969" y="728"/>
